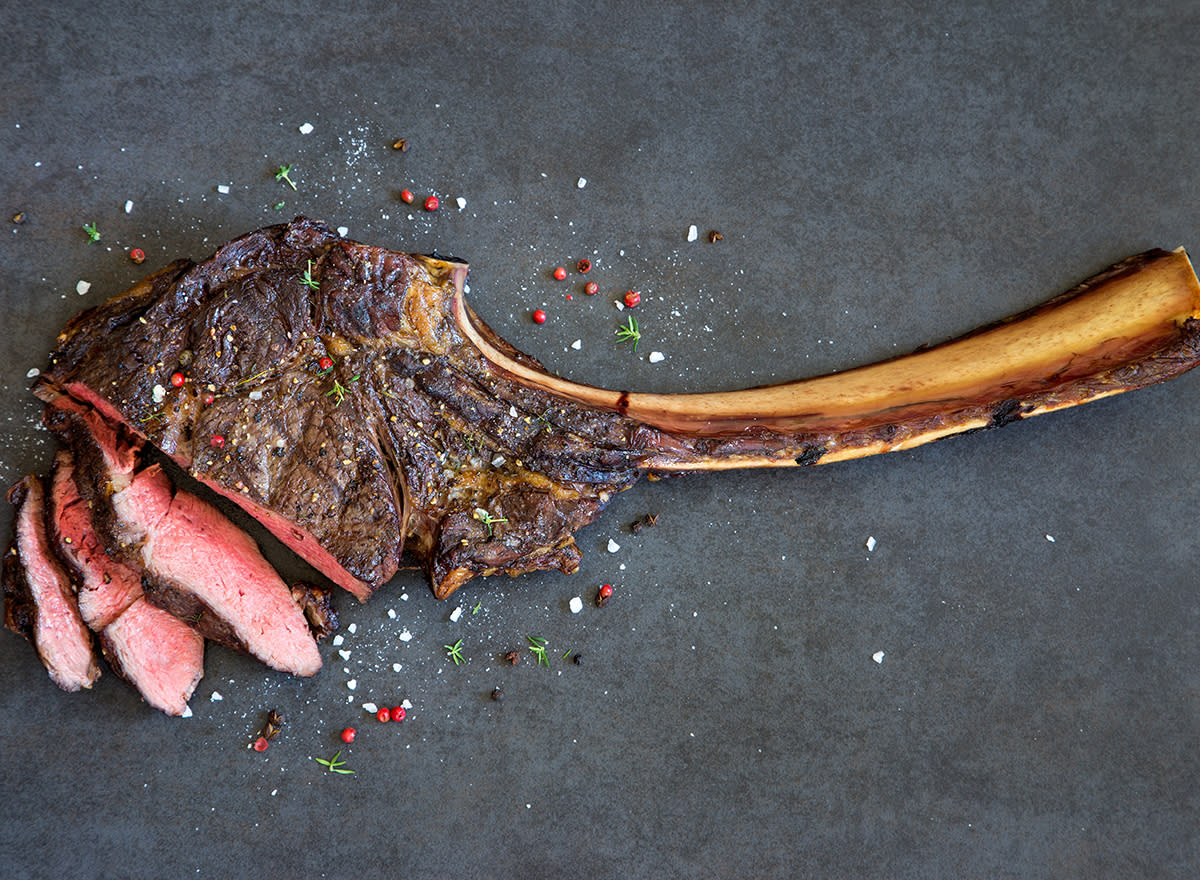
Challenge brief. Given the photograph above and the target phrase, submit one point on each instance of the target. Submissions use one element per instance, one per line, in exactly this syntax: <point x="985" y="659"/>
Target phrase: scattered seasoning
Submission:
<point x="603" y="595"/>
<point x="273" y="726"/>
<point x="583" y="267"/>
<point x="383" y="714"/>
<point x="454" y="652"/>
<point x="591" y="288"/>
<point x="431" y="203"/>
<point x="208" y="398"/>
<point x="497" y="694"/>
<point x="348" y="735"/>
<point x="217" y="440"/>
<point x="714" y="237"/>
<point x="398" y="713"/>
<point x="539" y="317"/>
<point x="512" y="658"/>
<point x="177" y="380"/>
<point x="650" y="519"/>
<point x="308" y="280"/>
<point x="278" y="206"/>
<point x="577" y="659"/>
<point x="632" y="298"/>
<point x="334" y="764"/>
<point x="478" y="607"/>
<point x="629" y="332"/>
<point x="281" y="173"/>
<point x="325" y="363"/>
<point x="93" y="233"/>
<point x="401" y="145"/>
<point x="137" y="255"/>
<point x="560" y="273"/>
<point x="18" y="217"/>
<point x="260" y="744"/>
<point x="407" y="196"/>
<point x="537" y="647"/>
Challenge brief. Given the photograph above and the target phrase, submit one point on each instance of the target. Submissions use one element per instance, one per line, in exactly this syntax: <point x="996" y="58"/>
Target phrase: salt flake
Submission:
<point x="33" y="371"/>
<point x="128" y="206"/>
<point x="343" y="231"/>
<point x="656" y="356"/>
<point x="352" y="683"/>
<point x="352" y="628"/>
<point x="576" y="605"/>
<point x="406" y="704"/>
<point x="461" y="202"/>
<point x="216" y="697"/>
<point x="345" y="655"/>
<point x="613" y="546"/>
<point x="877" y="656"/>
<point x="337" y="640"/>
<point x="405" y="636"/>
<point x="159" y="393"/>
<point x="83" y="287"/>
<point x="870" y="544"/>
<point x="456" y="614"/>
<point x="306" y="128"/>
<point x="581" y="183"/>
<point x="577" y="344"/>
<point x="1050" y="538"/>
<point x="370" y="707"/>
<point x="391" y="613"/>
<point x="693" y="233"/>
<point x="223" y="189"/>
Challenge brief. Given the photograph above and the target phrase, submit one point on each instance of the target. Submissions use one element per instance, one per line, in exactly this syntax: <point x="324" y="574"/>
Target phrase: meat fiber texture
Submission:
<point x="409" y="448"/>
<point x="150" y="648"/>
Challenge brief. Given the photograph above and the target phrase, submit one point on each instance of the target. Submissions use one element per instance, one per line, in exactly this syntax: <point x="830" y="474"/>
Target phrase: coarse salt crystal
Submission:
<point x="33" y="371"/>
<point x="345" y="655"/>
<point x="406" y="704"/>
<point x="581" y="183"/>
<point x="405" y="635"/>
<point x="352" y="628"/>
<point x="576" y="605"/>
<point x="877" y="656"/>
<point x="187" y="712"/>
<point x="456" y="614"/>
<point x="256" y="395"/>
<point x="343" y="231"/>
<point x="306" y="128"/>
<point x="159" y="393"/>
<point x="461" y="202"/>
<point x="656" y="356"/>
<point x="223" y="189"/>
<point x="693" y="233"/>
<point x="216" y="697"/>
<point x="577" y="344"/>
<point x="613" y="546"/>
<point x="370" y="707"/>
<point x="1050" y="538"/>
<point x="870" y="544"/>
<point x="352" y="683"/>
<point x="391" y="613"/>
<point x="512" y="412"/>
<point x="128" y="206"/>
<point x="337" y="640"/>
<point x="396" y="667"/>
<point x="83" y="287"/>
<point x="498" y="461"/>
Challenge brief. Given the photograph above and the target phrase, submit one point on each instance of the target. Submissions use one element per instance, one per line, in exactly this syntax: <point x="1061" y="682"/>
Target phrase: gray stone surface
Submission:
<point x="884" y="175"/>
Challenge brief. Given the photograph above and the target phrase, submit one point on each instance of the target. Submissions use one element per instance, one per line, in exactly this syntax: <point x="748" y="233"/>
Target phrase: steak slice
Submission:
<point x="38" y="600"/>
<point x="105" y="587"/>
<point x="157" y="653"/>
<point x="151" y="649"/>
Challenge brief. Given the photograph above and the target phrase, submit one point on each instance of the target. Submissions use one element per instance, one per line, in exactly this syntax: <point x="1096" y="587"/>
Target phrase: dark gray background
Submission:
<point x="885" y="175"/>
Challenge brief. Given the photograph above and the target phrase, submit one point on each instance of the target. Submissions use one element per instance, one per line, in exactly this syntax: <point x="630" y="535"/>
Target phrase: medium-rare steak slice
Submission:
<point x="104" y="587"/>
<point x="157" y="653"/>
<point x="348" y="397"/>
<point x="38" y="600"/>
<point x="196" y="564"/>
<point x="153" y="650"/>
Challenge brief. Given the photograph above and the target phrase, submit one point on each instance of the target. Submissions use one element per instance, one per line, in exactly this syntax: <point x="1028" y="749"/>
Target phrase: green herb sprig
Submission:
<point x="537" y="647"/>
<point x="454" y="652"/>
<point x="488" y="520"/>
<point x="282" y="174"/>
<point x="338" y="391"/>
<point x="335" y="764"/>
<point x="308" y="280"/>
<point x="93" y="233"/>
<point x="629" y="332"/>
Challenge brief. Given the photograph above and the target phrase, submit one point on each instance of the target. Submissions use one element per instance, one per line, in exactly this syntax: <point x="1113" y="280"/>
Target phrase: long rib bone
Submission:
<point x="430" y="440"/>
